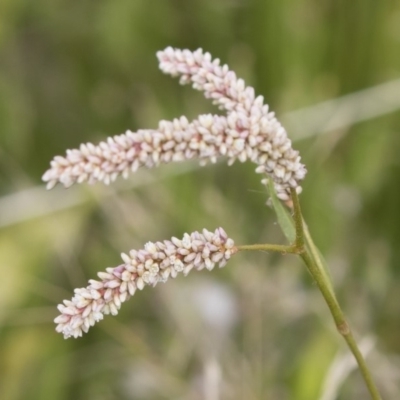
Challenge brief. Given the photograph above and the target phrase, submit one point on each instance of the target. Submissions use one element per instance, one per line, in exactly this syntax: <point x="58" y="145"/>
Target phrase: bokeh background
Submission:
<point x="77" y="71"/>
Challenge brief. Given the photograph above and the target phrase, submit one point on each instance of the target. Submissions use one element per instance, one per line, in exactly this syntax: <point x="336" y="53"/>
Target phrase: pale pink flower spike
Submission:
<point x="155" y="263"/>
<point x="248" y="132"/>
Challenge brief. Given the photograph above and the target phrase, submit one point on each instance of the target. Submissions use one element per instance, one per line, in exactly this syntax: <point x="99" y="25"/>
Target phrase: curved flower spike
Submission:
<point x="206" y="138"/>
<point x="231" y="94"/>
<point x="217" y="82"/>
<point x="155" y="263"/>
<point x="248" y="132"/>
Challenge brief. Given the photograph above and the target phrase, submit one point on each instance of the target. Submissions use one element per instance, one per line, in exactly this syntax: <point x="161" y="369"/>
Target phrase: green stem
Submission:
<point x="305" y="247"/>
<point x="298" y="220"/>
<point x="341" y="323"/>
<point x="270" y="247"/>
<point x="312" y="259"/>
<point x="317" y="258"/>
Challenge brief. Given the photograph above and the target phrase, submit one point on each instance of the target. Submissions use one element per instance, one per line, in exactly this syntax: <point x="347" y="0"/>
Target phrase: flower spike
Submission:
<point x="248" y="132"/>
<point x="155" y="263"/>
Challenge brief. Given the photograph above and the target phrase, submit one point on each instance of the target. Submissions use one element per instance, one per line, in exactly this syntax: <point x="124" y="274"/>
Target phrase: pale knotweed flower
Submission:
<point x="155" y="263"/>
<point x="231" y="94"/>
<point x="248" y="132"/>
<point x="217" y="82"/>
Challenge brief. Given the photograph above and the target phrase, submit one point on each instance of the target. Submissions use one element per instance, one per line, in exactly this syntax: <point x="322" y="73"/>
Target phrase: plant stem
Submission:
<point x="270" y="247"/>
<point x="341" y="323"/>
<point x="318" y="259"/>
<point x="314" y="264"/>
<point x="305" y="247"/>
<point x="298" y="220"/>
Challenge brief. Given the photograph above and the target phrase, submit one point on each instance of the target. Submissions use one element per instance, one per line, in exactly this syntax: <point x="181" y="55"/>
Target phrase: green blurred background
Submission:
<point x="77" y="71"/>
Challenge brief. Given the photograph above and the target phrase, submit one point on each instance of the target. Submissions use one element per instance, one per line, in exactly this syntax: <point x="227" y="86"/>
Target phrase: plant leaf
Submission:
<point x="285" y="220"/>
